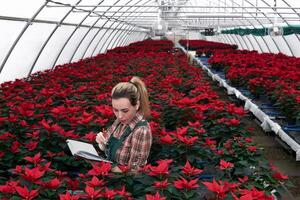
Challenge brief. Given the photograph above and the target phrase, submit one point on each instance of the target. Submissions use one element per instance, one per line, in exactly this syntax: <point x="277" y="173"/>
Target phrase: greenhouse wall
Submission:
<point x="287" y="44"/>
<point x="39" y="50"/>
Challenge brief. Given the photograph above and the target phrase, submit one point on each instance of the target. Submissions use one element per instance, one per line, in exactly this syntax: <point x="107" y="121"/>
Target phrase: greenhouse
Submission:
<point x="150" y="99"/>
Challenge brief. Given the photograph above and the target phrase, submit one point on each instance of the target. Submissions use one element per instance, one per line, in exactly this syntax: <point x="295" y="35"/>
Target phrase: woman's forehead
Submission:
<point x="121" y="103"/>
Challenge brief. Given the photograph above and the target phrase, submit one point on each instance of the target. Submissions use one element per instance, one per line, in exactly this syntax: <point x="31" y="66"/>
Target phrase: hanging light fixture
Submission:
<point x="275" y="30"/>
<point x="160" y="27"/>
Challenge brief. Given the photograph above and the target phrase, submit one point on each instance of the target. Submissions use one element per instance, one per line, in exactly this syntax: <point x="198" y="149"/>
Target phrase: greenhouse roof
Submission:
<point x="40" y="34"/>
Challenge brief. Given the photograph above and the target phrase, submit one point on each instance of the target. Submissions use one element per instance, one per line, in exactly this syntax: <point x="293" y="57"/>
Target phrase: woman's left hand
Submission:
<point x="116" y="169"/>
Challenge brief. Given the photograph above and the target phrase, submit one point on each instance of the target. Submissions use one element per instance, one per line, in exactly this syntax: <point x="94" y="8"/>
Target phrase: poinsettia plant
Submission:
<point x="274" y="75"/>
<point x="200" y="146"/>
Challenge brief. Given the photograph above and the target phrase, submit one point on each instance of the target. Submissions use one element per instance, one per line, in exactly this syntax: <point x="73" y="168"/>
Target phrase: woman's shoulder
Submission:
<point x="143" y="126"/>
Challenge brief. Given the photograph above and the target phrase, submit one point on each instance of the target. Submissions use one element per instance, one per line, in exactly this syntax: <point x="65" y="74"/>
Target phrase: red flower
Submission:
<point x="232" y="109"/>
<point x="35" y="159"/>
<point x="189" y="170"/>
<point x="52" y="184"/>
<point x="18" y="169"/>
<point x="196" y="124"/>
<point x="1" y="154"/>
<point x="58" y="110"/>
<point x="279" y="176"/>
<point x="72" y="184"/>
<point x="109" y="194"/>
<point x="155" y="197"/>
<point x="123" y="193"/>
<point x="50" y="128"/>
<point x="248" y="140"/>
<point x="189" y="141"/>
<point x="210" y="142"/>
<point x="155" y="114"/>
<point x="68" y="196"/>
<point x="23" y="123"/>
<point x="225" y="165"/>
<point x="252" y="148"/>
<point x="9" y="187"/>
<point x="86" y="118"/>
<point x="15" y="147"/>
<point x="160" y="170"/>
<point x="91" y="193"/>
<point x="95" y="182"/>
<point x="45" y="167"/>
<point x="182" y="131"/>
<point x="91" y="136"/>
<point x="25" y="193"/>
<point x="233" y="122"/>
<point x="100" y="169"/>
<point x="167" y="139"/>
<point x="244" y="179"/>
<point x="161" y="184"/>
<point x="31" y="145"/>
<point x="6" y="136"/>
<point x="100" y="121"/>
<point x="105" y="110"/>
<point x="185" y="184"/>
<point x="32" y="175"/>
<point x="33" y="135"/>
<point x="254" y="194"/>
<point x="219" y="188"/>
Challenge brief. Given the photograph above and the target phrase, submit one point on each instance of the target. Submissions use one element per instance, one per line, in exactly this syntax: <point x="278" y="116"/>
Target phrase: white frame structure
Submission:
<point x="40" y="34"/>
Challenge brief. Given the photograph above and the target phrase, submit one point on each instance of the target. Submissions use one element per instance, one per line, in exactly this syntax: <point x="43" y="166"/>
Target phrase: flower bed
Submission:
<point x="275" y="75"/>
<point x="201" y="148"/>
<point x="145" y="46"/>
<point x="203" y="46"/>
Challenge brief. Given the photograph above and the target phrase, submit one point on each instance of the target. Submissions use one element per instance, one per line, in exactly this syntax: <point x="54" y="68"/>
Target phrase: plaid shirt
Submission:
<point x="136" y="147"/>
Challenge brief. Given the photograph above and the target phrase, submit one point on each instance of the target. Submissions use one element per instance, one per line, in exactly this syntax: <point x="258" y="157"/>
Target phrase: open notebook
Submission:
<point x="84" y="150"/>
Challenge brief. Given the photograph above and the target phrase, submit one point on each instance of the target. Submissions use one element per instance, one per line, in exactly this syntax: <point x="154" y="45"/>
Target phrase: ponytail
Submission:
<point x="143" y="95"/>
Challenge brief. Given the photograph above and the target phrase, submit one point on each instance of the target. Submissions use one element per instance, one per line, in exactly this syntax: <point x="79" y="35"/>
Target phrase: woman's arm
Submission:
<point x="102" y="137"/>
<point x="141" y="144"/>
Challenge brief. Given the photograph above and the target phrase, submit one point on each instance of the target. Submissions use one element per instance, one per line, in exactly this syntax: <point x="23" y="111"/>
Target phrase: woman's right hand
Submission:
<point x="101" y="140"/>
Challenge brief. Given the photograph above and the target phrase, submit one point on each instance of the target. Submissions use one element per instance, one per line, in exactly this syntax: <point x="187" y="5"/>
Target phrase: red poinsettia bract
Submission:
<point x="185" y="184"/>
<point x="25" y="193"/>
<point x="189" y="170"/>
<point x="68" y="196"/>
<point x="161" y="170"/>
<point x="155" y="197"/>
<point x="225" y="165"/>
<point x="100" y="168"/>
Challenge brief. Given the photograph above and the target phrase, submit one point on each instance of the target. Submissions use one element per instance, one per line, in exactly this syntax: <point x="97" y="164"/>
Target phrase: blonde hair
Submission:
<point x="134" y="90"/>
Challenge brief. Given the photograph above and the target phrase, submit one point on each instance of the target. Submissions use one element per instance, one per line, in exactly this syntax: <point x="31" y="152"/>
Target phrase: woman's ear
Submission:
<point x="137" y="106"/>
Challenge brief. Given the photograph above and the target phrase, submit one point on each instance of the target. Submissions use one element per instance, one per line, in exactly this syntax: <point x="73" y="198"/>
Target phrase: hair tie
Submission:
<point x="133" y="84"/>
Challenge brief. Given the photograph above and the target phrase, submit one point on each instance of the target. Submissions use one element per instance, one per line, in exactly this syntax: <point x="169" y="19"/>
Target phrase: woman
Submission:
<point x="129" y="139"/>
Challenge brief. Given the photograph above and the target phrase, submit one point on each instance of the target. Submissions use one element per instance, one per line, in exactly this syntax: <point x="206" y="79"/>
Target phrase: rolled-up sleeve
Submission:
<point x="141" y="144"/>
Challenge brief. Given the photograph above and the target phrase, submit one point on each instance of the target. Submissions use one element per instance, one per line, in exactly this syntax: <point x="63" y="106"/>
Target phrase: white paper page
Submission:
<point x="76" y="146"/>
<point x="84" y="150"/>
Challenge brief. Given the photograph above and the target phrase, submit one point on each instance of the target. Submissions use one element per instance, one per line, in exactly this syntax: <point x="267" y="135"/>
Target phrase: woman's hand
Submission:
<point x="101" y="139"/>
<point x="116" y="169"/>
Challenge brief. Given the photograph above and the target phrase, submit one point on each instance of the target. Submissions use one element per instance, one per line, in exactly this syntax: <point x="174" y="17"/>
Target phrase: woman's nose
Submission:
<point x="120" y="115"/>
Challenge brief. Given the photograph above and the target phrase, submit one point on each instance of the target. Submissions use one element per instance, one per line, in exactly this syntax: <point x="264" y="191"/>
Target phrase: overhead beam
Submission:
<point x="173" y="6"/>
<point x="20" y="19"/>
<point x="155" y="12"/>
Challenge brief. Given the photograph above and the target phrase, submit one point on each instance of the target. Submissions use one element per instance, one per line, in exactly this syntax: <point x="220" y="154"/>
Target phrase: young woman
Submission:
<point x="128" y="140"/>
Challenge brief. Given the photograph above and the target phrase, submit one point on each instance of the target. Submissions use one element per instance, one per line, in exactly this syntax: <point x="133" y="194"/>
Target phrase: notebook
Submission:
<point x="85" y="150"/>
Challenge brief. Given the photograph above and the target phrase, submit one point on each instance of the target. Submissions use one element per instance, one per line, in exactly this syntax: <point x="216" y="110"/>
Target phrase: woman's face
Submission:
<point x="123" y="109"/>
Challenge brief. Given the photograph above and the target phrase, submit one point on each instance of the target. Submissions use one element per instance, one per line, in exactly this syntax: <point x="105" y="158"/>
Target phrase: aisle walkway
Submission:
<point x="281" y="158"/>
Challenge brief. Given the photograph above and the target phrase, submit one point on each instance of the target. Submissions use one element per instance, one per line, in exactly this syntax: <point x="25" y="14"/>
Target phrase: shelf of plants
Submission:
<point x="267" y="83"/>
<point x="201" y="148"/>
